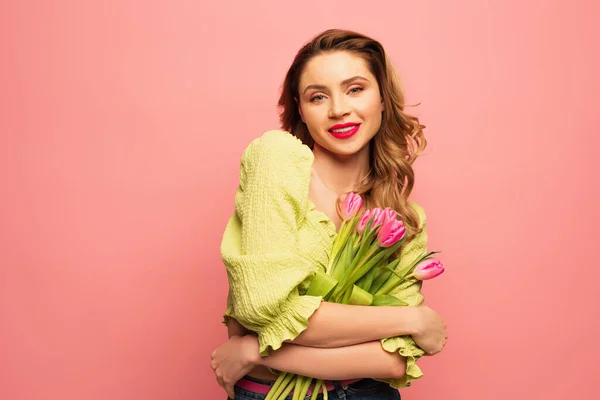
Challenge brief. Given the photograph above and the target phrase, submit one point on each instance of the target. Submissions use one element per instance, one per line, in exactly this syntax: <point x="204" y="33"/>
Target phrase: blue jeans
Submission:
<point x="365" y="389"/>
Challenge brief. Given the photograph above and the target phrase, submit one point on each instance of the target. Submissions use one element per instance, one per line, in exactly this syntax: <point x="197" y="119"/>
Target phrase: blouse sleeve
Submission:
<point x="260" y="243"/>
<point x="410" y="292"/>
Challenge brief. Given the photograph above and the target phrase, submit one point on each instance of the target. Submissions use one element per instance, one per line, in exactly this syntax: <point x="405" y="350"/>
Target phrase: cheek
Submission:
<point x="371" y="106"/>
<point x="373" y="113"/>
<point x="312" y="116"/>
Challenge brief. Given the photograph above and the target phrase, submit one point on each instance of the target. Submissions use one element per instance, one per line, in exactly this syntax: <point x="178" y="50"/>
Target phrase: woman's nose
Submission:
<point x="339" y="108"/>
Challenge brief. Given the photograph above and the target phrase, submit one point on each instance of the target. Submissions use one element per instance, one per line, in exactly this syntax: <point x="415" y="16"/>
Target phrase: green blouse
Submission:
<point x="276" y="240"/>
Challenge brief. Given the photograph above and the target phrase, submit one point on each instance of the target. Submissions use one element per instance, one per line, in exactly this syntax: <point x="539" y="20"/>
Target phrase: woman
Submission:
<point x="344" y="129"/>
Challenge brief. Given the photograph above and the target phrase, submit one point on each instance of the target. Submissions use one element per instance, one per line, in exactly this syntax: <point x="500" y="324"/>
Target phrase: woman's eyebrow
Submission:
<point x="344" y="83"/>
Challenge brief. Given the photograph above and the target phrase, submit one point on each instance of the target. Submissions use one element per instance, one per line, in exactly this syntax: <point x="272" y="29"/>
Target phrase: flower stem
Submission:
<point x="287" y="390"/>
<point x="282" y="386"/>
<point x="276" y="386"/>
<point x="298" y="387"/>
<point x="304" y="389"/>
<point x="316" y="389"/>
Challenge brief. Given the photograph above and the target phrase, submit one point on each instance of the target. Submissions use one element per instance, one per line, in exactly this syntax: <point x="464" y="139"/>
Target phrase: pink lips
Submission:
<point x="345" y="134"/>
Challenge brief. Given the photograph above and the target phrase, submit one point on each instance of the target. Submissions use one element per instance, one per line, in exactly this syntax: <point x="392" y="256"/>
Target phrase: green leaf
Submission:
<point x="350" y="279"/>
<point x="343" y="262"/>
<point x="368" y="279"/>
<point x="383" y="275"/>
<point x="360" y="297"/>
<point x="345" y="299"/>
<point x="387" y="300"/>
<point x="395" y="280"/>
<point x="403" y="272"/>
<point x="321" y="285"/>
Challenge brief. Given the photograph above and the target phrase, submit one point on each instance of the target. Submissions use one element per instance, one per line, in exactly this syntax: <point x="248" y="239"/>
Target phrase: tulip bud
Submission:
<point x="364" y="220"/>
<point x="390" y="215"/>
<point x="351" y="206"/>
<point x="390" y="233"/>
<point x="378" y="217"/>
<point x="428" y="269"/>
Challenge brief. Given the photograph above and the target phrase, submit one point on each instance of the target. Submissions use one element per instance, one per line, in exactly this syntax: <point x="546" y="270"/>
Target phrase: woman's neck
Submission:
<point x="341" y="173"/>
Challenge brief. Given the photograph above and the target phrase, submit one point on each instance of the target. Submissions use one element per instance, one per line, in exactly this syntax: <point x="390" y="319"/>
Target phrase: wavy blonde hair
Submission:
<point x="400" y="139"/>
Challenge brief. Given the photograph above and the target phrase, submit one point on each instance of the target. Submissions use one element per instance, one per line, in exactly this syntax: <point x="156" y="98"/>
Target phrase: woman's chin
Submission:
<point x="348" y="149"/>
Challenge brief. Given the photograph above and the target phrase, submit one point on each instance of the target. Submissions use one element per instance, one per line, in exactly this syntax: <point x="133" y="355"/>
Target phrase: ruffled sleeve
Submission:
<point x="260" y="243"/>
<point x="410" y="292"/>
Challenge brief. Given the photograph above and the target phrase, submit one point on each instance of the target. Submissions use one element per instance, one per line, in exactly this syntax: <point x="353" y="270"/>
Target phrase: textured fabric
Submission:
<point x="276" y="240"/>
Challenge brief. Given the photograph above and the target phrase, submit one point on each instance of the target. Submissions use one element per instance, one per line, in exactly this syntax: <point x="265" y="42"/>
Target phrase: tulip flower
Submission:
<point x="351" y="206"/>
<point x="427" y="269"/>
<point x="390" y="215"/>
<point x="390" y="233"/>
<point x="364" y="220"/>
<point x="376" y="214"/>
<point x="379" y="217"/>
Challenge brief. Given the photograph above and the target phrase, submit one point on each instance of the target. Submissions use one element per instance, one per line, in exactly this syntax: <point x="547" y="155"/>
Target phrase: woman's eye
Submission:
<point x="318" y="97"/>
<point x="355" y="90"/>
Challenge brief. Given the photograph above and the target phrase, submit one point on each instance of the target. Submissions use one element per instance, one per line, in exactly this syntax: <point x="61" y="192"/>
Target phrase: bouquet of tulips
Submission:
<point x="361" y="271"/>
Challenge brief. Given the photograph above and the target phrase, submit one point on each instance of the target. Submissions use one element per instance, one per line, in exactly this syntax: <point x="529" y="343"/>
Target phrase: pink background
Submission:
<point x="121" y="128"/>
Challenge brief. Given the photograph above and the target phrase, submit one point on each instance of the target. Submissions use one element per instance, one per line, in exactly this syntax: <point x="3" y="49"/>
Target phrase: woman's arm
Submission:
<point x="339" y="325"/>
<point x="240" y="355"/>
<point x="349" y="362"/>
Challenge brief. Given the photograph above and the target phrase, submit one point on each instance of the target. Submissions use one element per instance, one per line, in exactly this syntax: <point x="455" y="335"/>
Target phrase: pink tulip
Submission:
<point x="390" y="233"/>
<point x="390" y="214"/>
<point x="428" y="269"/>
<point x="379" y="217"/>
<point x="351" y="206"/>
<point x="364" y="220"/>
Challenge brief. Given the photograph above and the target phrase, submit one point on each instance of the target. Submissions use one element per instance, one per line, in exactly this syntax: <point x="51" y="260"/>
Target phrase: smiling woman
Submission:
<point x="342" y="115"/>
<point x="344" y="129"/>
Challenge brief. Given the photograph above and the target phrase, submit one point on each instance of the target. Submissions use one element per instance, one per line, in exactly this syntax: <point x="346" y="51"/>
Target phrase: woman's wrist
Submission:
<point x="409" y="320"/>
<point x="251" y="352"/>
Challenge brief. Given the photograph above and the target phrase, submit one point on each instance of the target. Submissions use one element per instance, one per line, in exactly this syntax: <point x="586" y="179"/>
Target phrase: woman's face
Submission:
<point x="339" y="101"/>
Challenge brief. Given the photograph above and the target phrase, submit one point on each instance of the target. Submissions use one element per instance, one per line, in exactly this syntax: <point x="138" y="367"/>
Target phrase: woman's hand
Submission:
<point x="233" y="360"/>
<point x="430" y="333"/>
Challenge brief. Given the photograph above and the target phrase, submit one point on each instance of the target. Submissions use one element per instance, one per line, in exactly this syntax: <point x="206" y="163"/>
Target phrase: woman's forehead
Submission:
<point x="334" y="68"/>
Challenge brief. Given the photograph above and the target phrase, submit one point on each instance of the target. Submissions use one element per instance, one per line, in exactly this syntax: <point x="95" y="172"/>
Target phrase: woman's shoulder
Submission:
<point x="280" y="142"/>
<point x="279" y="150"/>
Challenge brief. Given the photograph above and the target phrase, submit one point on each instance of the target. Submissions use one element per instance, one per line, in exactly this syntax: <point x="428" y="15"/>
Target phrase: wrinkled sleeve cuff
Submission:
<point x="406" y="347"/>
<point x="292" y="321"/>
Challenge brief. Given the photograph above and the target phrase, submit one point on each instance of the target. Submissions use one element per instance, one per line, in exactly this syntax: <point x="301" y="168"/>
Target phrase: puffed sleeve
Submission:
<point x="260" y="243"/>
